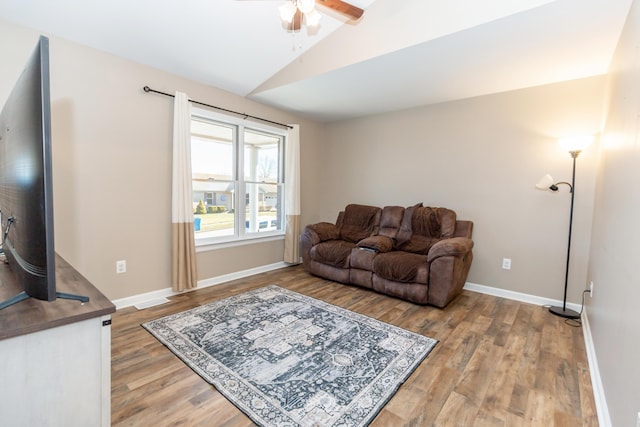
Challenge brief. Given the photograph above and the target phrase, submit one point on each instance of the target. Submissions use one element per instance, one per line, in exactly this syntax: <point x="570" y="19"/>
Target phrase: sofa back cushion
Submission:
<point x="390" y="221"/>
<point x="358" y="222"/>
<point x="428" y="226"/>
<point x="434" y="222"/>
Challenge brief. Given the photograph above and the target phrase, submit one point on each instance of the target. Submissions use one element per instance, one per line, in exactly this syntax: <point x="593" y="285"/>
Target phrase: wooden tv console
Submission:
<point x="55" y="357"/>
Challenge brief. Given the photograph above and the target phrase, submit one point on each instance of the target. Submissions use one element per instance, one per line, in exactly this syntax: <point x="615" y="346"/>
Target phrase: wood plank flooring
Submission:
<point x="498" y="362"/>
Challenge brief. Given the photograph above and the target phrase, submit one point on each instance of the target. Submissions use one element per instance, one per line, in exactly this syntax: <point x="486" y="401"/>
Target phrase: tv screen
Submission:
<point x="26" y="203"/>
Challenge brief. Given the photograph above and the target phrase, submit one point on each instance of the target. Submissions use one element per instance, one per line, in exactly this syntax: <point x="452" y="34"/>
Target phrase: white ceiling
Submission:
<point x="401" y="54"/>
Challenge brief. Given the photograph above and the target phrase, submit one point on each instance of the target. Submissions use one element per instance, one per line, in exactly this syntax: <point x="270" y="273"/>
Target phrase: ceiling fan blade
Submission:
<point x="342" y="7"/>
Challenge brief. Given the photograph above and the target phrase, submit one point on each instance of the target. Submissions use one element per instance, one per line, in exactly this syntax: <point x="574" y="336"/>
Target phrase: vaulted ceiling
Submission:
<point x="400" y="54"/>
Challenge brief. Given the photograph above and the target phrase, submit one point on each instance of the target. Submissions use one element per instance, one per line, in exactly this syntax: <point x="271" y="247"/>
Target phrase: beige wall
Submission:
<point x="112" y="164"/>
<point x="481" y="157"/>
<point x="614" y="310"/>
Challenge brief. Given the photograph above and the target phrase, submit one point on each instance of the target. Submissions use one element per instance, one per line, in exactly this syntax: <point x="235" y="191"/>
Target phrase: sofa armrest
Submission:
<point x="376" y="243"/>
<point x="321" y="232"/>
<point x="456" y="246"/>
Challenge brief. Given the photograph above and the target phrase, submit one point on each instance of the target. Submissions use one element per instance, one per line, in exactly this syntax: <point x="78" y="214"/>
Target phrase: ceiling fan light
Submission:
<point x="287" y="10"/>
<point x="306" y="6"/>
<point x="312" y="18"/>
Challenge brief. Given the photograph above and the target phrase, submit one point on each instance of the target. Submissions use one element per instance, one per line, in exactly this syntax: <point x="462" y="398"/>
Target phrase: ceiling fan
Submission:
<point x="293" y="12"/>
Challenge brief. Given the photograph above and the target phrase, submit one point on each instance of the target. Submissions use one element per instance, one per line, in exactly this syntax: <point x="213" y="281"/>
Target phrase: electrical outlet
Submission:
<point x="638" y="420"/>
<point x="591" y="293"/>
<point x="121" y="266"/>
<point x="506" y="263"/>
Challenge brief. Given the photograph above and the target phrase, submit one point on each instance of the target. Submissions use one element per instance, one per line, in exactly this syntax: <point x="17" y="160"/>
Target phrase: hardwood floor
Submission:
<point x="498" y="363"/>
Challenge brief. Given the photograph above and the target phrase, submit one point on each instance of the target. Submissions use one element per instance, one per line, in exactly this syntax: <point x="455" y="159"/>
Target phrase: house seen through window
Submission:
<point x="238" y="179"/>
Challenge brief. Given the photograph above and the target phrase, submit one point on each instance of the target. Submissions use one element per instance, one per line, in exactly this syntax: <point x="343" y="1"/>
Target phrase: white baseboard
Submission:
<point x="604" y="419"/>
<point x="240" y="274"/>
<point x="518" y="296"/>
<point x="167" y="292"/>
<point x="142" y="299"/>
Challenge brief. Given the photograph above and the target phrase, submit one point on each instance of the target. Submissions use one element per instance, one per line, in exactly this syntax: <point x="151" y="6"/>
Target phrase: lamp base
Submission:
<point x="567" y="313"/>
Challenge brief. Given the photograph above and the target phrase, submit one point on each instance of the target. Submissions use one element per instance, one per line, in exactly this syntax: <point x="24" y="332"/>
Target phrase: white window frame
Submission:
<point x="241" y="236"/>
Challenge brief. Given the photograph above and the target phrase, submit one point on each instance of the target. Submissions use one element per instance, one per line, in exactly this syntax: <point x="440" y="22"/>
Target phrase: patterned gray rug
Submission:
<point x="286" y="359"/>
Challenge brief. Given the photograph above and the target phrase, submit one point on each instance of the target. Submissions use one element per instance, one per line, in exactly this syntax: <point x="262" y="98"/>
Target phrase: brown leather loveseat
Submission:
<point x="420" y="254"/>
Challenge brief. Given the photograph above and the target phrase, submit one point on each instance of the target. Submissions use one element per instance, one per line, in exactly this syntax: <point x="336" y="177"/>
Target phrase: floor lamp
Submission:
<point x="575" y="147"/>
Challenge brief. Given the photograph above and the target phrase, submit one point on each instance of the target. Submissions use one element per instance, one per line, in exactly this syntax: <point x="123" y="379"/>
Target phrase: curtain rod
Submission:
<point x="246" y="116"/>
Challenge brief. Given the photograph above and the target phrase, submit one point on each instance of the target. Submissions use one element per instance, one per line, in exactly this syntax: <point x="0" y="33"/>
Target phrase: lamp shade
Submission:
<point x="545" y="182"/>
<point x="575" y="143"/>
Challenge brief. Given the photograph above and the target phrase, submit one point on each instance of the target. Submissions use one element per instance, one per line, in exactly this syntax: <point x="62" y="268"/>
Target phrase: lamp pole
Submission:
<point x="564" y="311"/>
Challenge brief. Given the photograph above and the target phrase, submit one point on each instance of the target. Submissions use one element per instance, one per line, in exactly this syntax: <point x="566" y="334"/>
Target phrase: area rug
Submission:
<point x="286" y="359"/>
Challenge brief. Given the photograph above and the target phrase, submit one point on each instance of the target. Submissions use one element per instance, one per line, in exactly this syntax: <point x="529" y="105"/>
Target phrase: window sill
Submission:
<point x="206" y="245"/>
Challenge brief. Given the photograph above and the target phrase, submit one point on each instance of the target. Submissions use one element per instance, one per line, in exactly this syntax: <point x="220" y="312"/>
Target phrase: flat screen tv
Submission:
<point x="26" y="190"/>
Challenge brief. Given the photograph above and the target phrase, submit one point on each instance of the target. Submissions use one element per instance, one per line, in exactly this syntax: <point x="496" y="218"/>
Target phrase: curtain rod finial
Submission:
<point x="146" y="89"/>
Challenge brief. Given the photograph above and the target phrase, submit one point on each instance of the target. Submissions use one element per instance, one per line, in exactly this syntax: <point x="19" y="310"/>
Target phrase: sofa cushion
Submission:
<point x="390" y="221"/>
<point x="402" y="267"/>
<point x="333" y="252"/>
<point x="376" y="243"/>
<point x="439" y="223"/>
<point x="358" y="222"/>
<point x="434" y="222"/>
<point x="428" y="226"/>
<point x="418" y="244"/>
<point x="404" y="231"/>
<point x="324" y="231"/>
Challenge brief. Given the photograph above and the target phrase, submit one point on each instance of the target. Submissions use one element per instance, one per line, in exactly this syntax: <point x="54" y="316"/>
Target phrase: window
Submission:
<point x="238" y="179"/>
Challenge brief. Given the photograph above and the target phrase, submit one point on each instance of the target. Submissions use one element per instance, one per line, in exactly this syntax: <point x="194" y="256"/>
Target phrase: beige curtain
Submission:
<point x="183" y="240"/>
<point x="292" y="197"/>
